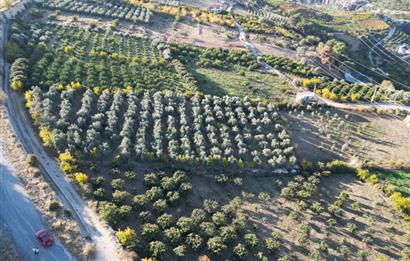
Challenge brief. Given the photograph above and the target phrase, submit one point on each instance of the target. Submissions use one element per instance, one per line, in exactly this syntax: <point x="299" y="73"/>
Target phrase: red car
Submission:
<point x="44" y="237"/>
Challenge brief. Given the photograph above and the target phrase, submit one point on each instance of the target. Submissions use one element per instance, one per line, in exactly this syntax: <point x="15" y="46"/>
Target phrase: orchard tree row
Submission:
<point x="93" y="42"/>
<point x="75" y="58"/>
<point x="344" y="91"/>
<point x="204" y="130"/>
<point x="110" y="9"/>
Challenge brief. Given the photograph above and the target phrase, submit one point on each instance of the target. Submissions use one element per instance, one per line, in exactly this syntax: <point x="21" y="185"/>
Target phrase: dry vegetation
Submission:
<point x="323" y="135"/>
<point x="43" y="195"/>
<point x="6" y="3"/>
<point x="375" y="24"/>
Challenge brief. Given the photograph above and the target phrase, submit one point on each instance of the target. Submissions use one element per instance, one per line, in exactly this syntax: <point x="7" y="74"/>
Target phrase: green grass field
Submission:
<point x="246" y="83"/>
<point x="398" y="178"/>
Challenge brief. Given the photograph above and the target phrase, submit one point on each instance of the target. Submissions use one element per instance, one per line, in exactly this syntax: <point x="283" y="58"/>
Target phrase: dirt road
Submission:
<point x="21" y="216"/>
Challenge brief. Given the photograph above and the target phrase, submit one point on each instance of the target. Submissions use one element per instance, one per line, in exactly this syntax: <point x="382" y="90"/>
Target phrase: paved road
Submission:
<point x="22" y="218"/>
<point x="90" y="225"/>
<point x="350" y="106"/>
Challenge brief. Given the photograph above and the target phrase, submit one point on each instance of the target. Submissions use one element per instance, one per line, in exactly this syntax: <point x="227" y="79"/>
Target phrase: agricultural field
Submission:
<point x="343" y="91"/>
<point x="189" y="142"/>
<point x="243" y="83"/>
<point x="398" y="178"/>
<point x="111" y="9"/>
<point x="93" y="59"/>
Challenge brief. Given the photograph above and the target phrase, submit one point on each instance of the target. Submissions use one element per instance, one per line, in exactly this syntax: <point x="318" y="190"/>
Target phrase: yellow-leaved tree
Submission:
<point x="81" y="177"/>
<point x="17" y="86"/>
<point x="126" y="236"/>
<point x="67" y="162"/>
<point x="46" y="136"/>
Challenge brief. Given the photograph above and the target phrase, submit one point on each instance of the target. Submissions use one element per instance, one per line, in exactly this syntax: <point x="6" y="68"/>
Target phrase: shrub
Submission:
<point x="120" y="197"/>
<point x="108" y="212"/>
<point x="271" y="245"/>
<point x="117" y="183"/>
<point x="208" y="228"/>
<point x="46" y="136"/>
<point x="31" y="160"/>
<point x="216" y="245"/>
<point x="145" y="216"/>
<point x="287" y="192"/>
<point x="150" y="231"/>
<point x="239" y="223"/>
<point x="372" y="179"/>
<point x="173" y="235"/>
<point x="173" y="196"/>
<point x="363" y="174"/>
<point x="367" y="240"/>
<point x="126" y="237"/>
<point x="401" y="203"/>
<point x="198" y="215"/>
<point x="334" y="210"/>
<point x="99" y="193"/>
<point x="154" y="193"/>
<point x="97" y="182"/>
<point x="222" y="179"/>
<point x="251" y="240"/>
<point x="339" y="166"/>
<point x="219" y="218"/>
<point x="81" y="177"/>
<point x="227" y="233"/>
<point x="237" y="181"/>
<point x="36" y="172"/>
<point x="140" y="201"/>
<point x="54" y="206"/>
<point x="160" y="205"/>
<point x="239" y="252"/>
<point x="157" y="249"/>
<point x="179" y="251"/>
<point x="194" y="241"/>
<point x="67" y="162"/>
<point x="151" y="179"/>
<point x="331" y="222"/>
<point x="130" y="175"/>
<point x="344" y="250"/>
<point x="323" y="247"/>
<point x="165" y="220"/>
<point x="185" y="224"/>
<point x="363" y="254"/>
<point x="264" y="196"/>
<point x="169" y="183"/>
<point x="184" y="187"/>
<point x="17" y="86"/>
<point x="210" y="206"/>
<point x="316" y="207"/>
<point x="276" y="235"/>
<point x="125" y="211"/>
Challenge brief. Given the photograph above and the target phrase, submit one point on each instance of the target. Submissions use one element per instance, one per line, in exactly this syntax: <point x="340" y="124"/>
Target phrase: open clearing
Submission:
<point x="243" y="83"/>
<point x="369" y="137"/>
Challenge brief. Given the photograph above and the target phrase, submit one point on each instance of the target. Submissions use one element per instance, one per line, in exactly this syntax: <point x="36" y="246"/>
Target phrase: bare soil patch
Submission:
<point x="369" y="137"/>
<point x="165" y="28"/>
<point x="366" y="208"/>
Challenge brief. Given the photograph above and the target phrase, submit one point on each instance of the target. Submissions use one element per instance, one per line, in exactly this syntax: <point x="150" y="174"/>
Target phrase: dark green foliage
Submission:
<point x="108" y="212"/>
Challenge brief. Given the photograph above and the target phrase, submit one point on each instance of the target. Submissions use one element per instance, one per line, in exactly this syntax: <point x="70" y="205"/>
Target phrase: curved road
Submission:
<point x="21" y="216"/>
<point x="107" y="247"/>
<point x="349" y="106"/>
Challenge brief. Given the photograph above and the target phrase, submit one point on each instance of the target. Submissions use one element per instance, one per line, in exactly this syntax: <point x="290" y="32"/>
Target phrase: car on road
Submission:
<point x="44" y="237"/>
